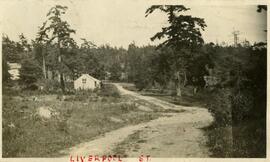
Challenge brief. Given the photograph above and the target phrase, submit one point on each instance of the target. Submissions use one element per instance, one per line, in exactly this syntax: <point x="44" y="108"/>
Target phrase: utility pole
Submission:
<point x="217" y="42"/>
<point x="236" y="38"/>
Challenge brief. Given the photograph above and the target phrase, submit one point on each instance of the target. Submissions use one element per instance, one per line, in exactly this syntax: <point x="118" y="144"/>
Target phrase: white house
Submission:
<point x="86" y="82"/>
<point x="14" y="70"/>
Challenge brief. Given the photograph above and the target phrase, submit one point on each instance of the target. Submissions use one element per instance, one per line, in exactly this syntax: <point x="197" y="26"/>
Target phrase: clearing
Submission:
<point x="177" y="133"/>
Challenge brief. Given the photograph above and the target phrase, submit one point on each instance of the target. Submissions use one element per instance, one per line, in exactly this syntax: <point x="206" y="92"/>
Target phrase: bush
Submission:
<point x="32" y="87"/>
<point x="30" y="72"/>
<point x="109" y="90"/>
<point x="220" y="106"/>
<point x="49" y="86"/>
<point x="242" y="103"/>
<point x="83" y="95"/>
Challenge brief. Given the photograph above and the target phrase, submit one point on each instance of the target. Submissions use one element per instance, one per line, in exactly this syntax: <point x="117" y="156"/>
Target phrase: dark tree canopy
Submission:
<point x="261" y="8"/>
<point x="30" y="72"/>
<point x="183" y="30"/>
<point x="182" y="36"/>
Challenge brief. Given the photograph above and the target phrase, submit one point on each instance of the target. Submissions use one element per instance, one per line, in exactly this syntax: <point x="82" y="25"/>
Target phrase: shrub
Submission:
<point x="30" y="72"/>
<point x="242" y="103"/>
<point x="49" y="86"/>
<point x="109" y="90"/>
<point x="220" y="106"/>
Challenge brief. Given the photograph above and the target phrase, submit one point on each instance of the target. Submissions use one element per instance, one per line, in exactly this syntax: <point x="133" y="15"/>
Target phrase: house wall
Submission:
<point x="89" y="83"/>
<point x="14" y="70"/>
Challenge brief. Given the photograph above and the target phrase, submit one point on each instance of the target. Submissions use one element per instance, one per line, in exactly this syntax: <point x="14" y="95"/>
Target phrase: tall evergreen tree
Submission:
<point x="30" y="72"/>
<point x="183" y="35"/>
<point x="58" y="31"/>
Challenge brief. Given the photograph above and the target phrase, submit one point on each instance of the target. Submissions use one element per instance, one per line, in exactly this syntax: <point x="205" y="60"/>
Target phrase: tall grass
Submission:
<point x="26" y="134"/>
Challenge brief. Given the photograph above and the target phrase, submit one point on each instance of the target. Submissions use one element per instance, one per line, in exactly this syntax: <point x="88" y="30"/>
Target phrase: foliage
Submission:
<point x="47" y="137"/>
<point x="57" y="30"/>
<point x="220" y="106"/>
<point x="5" y="74"/>
<point x="181" y="61"/>
<point x="30" y="72"/>
<point x="183" y="31"/>
<point x="115" y="71"/>
<point x="240" y="102"/>
<point x="12" y="51"/>
<point x="261" y="8"/>
<point x="183" y="36"/>
<point x="108" y="90"/>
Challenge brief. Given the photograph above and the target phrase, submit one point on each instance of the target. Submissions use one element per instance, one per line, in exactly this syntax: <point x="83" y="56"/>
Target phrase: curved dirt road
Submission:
<point x="177" y="135"/>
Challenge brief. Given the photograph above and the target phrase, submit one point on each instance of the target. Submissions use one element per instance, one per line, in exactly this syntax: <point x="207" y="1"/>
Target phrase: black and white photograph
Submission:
<point x="103" y="81"/>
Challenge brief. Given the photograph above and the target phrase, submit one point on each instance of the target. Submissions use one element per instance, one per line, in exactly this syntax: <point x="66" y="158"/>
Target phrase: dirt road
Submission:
<point x="176" y="135"/>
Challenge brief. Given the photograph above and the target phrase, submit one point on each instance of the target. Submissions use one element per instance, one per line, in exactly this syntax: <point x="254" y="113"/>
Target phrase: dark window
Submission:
<point x="83" y="81"/>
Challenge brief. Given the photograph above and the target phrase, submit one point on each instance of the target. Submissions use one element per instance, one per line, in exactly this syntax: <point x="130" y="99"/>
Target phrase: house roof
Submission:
<point x="88" y="76"/>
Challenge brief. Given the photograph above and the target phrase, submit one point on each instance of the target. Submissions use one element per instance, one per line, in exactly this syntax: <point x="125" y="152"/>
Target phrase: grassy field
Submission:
<point x="75" y="119"/>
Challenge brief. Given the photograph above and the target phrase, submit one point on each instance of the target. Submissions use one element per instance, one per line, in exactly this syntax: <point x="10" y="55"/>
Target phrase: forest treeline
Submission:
<point x="233" y="78"/>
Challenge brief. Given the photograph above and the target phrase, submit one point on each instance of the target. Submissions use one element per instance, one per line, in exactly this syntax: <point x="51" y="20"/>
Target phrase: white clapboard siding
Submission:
<point x="86" y="82"/>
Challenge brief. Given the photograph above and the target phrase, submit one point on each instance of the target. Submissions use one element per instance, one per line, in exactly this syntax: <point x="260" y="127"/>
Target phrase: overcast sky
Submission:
<point x="118" y="23"/>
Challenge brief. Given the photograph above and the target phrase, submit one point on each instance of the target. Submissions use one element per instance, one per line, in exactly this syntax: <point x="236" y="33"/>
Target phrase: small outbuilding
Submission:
<point x="14" y="69"/>
<point x="86" y="82"/>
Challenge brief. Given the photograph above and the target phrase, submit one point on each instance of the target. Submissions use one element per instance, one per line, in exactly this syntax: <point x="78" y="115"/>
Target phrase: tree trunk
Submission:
<point x="185" y="78"/>
<point x="178" y="90"/>
<point x="178" y="84"/>
<point x="62" y="82"/>
<point x="195" y="90"/>
<point x="44" y="65"/>
<point x="47" y="73"/>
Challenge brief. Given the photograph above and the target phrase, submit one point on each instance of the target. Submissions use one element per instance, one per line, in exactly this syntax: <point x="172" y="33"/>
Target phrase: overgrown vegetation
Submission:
<point x="75" y="119"/>
<point x="237" y="102"/>
<point x="242" y="101"/>
<point x="175" y="71"/>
